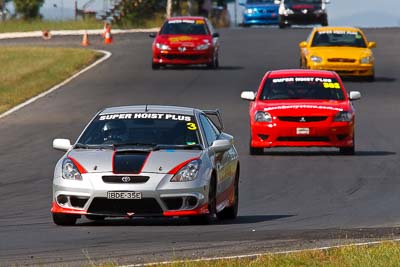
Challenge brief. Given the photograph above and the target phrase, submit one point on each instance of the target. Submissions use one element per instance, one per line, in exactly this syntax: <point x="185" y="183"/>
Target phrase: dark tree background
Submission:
<point x="28" y="9"/>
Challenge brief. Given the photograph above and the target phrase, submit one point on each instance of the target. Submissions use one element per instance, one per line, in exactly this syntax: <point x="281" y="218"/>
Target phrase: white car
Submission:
<point x="139" y="161"/>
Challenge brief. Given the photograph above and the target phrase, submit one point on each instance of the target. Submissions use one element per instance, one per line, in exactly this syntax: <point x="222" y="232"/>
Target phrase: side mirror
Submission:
<point x="371" y="45"/>
<point x="62" y="144"/>
<point x="303" y="44"/>
<point x="327" y="1"/>
<point x="215" y="34"/>
<point x="152" y="35"/>
<point x="221" y="145"/>
<point x="277" y="2"/>
<point x="248" y="95"/>
<point x="354" y="95"/>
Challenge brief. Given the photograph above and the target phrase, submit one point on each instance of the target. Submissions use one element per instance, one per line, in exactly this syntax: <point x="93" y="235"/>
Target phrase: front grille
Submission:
<point x="302" y="119"/>
<point x="342" y="60"/>
<point x="303" y="139"/>
<point x="344" y="72"/>
<point x="120" y="207"/>
<point x="182" y="57"/>
<point x="265" y="11"/>
<point x="302" y="11"/>
<point x="125" y="179"/>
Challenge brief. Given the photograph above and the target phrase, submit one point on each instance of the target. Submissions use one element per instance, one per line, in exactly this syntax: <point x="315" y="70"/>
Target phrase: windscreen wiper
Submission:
<point x="94" y="146"/>
<point x="134" y="144"/>
<point x="190" y="147"/>
<point x="138" y="147"/>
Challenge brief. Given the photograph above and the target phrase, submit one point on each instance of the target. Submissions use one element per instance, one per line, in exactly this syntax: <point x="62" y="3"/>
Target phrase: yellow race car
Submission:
<point x="341" y="49"/>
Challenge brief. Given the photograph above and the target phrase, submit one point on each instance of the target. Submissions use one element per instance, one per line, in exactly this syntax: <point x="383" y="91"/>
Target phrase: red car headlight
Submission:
<point x="343" y="116"/>
<point x="262" y="116"/>
<point x="203" y="46"/>
<point x="163" y="46"/>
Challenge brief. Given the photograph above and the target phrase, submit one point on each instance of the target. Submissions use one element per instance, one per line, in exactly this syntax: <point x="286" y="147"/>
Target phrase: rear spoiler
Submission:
<point x="217" y="114"/>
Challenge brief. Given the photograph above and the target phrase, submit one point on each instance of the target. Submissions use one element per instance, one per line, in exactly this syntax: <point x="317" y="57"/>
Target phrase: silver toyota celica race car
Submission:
<point x="140" y="161"/>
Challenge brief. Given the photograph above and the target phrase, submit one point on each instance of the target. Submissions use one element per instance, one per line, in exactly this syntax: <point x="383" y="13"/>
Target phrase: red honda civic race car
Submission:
<point x="186" y="41"/>
<point x="301" y="108"/>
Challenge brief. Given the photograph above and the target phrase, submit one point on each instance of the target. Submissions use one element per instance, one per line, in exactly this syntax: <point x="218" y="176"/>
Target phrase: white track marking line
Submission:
<point x="247" y="256"/>
<point x="106" y="56"/>
<point x="13" y="35"/>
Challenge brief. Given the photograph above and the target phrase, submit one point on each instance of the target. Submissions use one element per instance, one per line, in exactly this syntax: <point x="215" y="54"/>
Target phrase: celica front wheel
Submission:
<point x="230" y="213"/>
<point x="212" y="204"/>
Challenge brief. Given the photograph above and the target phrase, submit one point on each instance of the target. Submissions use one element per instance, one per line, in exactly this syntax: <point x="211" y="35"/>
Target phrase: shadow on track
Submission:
<point x="246" y="219"/>
<point x="326" y="153"/>
<point x="180" y="68"/>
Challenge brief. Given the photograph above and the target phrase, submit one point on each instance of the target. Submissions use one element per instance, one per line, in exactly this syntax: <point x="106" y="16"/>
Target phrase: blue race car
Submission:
<point x="260" y="12"/>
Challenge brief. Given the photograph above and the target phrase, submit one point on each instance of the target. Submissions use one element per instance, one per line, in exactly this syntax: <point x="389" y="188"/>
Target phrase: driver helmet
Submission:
<point x="113" y="130"/>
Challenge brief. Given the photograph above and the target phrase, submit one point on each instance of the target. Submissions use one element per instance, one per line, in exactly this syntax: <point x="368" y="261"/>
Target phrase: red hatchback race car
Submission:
<point x="186" y="41"/>
<point x="301" y="108"/>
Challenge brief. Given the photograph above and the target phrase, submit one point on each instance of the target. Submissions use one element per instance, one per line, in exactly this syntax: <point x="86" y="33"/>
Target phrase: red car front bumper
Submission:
<point x="332" y="134"/>
<point x="183" y="58"/>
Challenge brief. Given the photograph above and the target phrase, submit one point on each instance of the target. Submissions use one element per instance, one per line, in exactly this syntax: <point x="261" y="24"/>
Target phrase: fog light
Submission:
<point x="62" y="199"/>
<point x="191" y="201"/>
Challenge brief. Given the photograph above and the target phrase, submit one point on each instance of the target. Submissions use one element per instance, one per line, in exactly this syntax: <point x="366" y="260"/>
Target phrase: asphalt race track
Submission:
<point x="289" y="198"/>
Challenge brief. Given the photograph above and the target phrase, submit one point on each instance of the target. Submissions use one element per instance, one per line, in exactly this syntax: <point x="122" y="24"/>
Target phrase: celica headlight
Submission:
<point x="188" y="172"/>
<point x="343" y="116"/>
<point x="262" y="116"/>
<point x="366" y="60"/>
<point x="316" y="59"/>
<point x="163" y="46"/>
<point x="70" y="170"/>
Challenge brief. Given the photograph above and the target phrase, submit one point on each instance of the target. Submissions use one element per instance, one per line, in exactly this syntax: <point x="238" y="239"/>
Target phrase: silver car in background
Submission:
<point x="148" y="160"/>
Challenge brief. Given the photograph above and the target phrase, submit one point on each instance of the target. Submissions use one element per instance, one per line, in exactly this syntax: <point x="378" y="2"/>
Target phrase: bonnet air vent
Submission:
<point x="129" y="162"/>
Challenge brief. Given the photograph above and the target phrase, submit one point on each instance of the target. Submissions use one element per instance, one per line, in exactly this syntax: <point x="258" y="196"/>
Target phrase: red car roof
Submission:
<point x="301" y="72"/>
<point x="187" y="17"/>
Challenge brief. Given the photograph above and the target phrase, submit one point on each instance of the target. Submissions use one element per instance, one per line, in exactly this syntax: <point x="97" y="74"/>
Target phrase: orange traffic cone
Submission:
<point x="85" y="39"/>
<point x="108" y="37"/>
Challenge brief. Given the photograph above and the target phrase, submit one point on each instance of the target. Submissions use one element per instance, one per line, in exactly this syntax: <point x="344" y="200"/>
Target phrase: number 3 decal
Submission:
<point x="191" y="126"/>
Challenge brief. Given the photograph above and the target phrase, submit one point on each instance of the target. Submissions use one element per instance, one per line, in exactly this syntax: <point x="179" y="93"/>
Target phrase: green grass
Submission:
<point x="383" y="255"/>
<point x="40" y="25"/>
<point x="28" y="71"/>
<point x="154" y="22"/>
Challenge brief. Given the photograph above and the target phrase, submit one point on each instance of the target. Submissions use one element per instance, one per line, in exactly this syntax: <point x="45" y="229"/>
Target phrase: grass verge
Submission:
<point x="28" y="71"/>
<point x="40" y="25"/>
<point x="386" y="254"/>
<point x="87" y="24"/>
